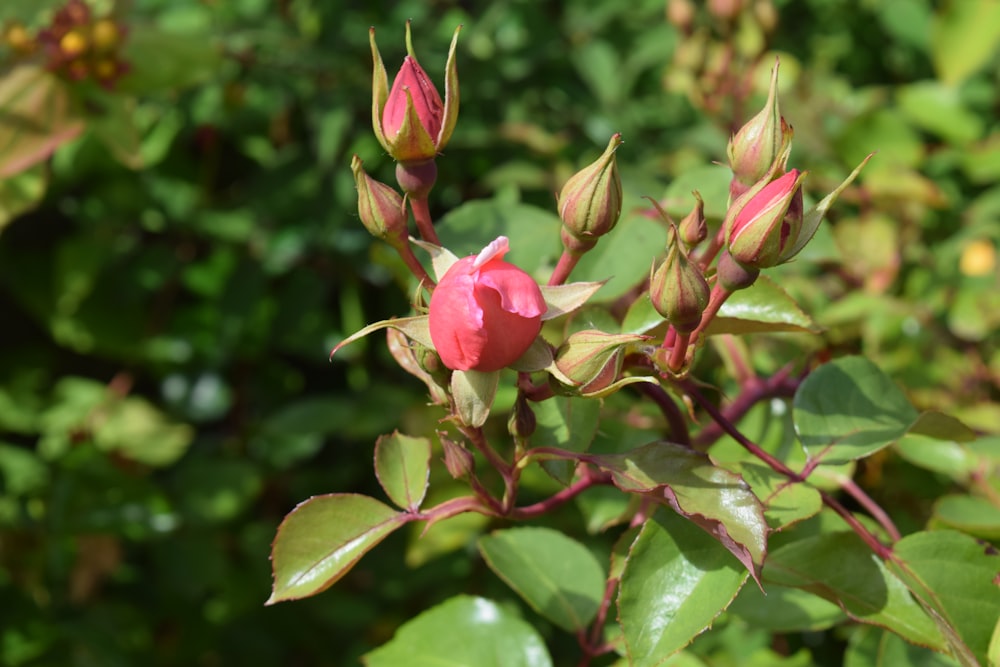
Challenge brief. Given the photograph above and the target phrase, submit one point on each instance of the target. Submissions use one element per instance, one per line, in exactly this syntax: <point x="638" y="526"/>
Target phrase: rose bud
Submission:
<point x="693" y="229"/>
<point x="591" y="201"/>
<point x="593" y="359"/>
<point x="678" y="289"/>
<point x="380" y="207"/>
<point x="759" y="143"/>
<point x="761" y="231"/>
<point x="410" y="121"/>
<point x="485" y="312"/>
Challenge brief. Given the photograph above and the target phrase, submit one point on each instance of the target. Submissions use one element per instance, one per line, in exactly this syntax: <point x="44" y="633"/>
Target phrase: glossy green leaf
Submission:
<point x="463" y="630"/>
<point x="533" y="231"/>
<point x="785" y="502"/>
<point x="941" y="426"/>
<point x="323" y="538"/>
<point x="955" y="577"/>
<point x="402" y="465"/>
<point x="761" y="307"/>
<point x="841" y="568"/>
<point x="641" y="316"/>
<point x="677" y="580"/>
<point x="566" y="423"/>
<point x="558" y="577"/>
<point x="783" y="609"/>
<point x="875" y="647"/>
<point x="848" y="409"/>
<point x="715" y="499"/>
<point x="37" y="117"/>
<point x="964" y="35"/>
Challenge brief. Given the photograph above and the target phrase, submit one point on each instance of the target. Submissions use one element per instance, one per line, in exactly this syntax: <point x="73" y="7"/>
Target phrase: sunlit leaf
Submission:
<point x="402" y="465"/>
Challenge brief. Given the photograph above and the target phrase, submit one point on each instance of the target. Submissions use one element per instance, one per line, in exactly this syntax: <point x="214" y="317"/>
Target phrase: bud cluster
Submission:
<point x="76" y="45"/>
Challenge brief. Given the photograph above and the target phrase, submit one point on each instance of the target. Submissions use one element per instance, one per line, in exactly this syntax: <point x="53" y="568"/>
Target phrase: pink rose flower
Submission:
<point x="485" y="312"/>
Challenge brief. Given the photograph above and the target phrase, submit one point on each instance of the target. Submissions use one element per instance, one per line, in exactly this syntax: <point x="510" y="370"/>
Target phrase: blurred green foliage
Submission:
<point x="173" y="278"/>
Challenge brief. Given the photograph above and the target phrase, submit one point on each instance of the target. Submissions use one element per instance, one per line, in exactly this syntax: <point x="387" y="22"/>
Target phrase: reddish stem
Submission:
<point x="572" y="491"/>
<point x="416" y="268"/>
<point x="422" y="214"/>
<point x="873" y="508"/>
<point x="678" y="354"/>
<point x="752" y="391"/>
<point x="567" y="262"/>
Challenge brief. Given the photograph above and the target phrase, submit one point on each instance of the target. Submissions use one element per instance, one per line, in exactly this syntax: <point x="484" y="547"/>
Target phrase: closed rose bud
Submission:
<point x="761" y="231"/>
<point x="755" y="147"/>
<point x="733" y="276"/>
<point x="693" y="229"/>
<point x="485" y="312"/>
<point x="380" y="207"/>
<point x="457" y="459"/>
<point x="591" y="201"/>
<point x="411" y="121"/>
<point x="678" y="289"/>
<point x="593" y="359"/>
<point x="522" y="422"/>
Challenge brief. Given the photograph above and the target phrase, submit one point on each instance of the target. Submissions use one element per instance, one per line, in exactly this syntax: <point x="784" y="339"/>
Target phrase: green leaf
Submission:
<point x="474" y="393"/>
<point x="533" y="232"/>
<point x="718" y="501"/>
<point x="785" y="502"/>
<point x="565" y="423"/>
<point x="36" y="117"/>
<point x="938" y="108"/>
<point x="402" y="466"/>
<point x="463" y="630"/>
<point x="875" y="647"/>
<point x="970" y="514"/>
<point x="166" y="60"/>
<point x="848" y="409"/>
<point x="964" y="36"/>
<point x="641" y="316"/>
<point x="761" y="307"/>
<point x="711" y="180"/>
<point x="676" y="581"/>
<point x="558" y="577"/>
<point x="441" y="258"/>
<point x="21" y="192"/>
<point x="21" y="470"/>
<point x="783" y="609"/>
<point x="941" y="426"/>
<point x="322" y="539"/>
<point x="841" y="568"/>
<point x="954" y="576"/>
<point x="138" y="431"/>
<point x="415" y="328"/>
<point x="942" y="456"/>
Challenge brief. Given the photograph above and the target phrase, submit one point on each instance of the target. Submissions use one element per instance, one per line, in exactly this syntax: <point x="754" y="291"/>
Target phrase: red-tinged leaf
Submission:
<point x="36" y="117"/>
<point x="322" y="539"/>
<point x="717" y="500"/>
<point x="402" y="466"/>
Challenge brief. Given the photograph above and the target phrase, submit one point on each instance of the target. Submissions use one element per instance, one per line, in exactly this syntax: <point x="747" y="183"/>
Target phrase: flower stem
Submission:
<point x="416" y="268"/>
<point x="675" y="418"/>
<point x="567" y="262"/>
<point x="422" y="214"/>
<point x="679" y="352"/>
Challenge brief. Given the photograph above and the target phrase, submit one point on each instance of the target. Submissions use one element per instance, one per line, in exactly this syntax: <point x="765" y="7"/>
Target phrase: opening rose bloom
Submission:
<point x="485" y="312"/>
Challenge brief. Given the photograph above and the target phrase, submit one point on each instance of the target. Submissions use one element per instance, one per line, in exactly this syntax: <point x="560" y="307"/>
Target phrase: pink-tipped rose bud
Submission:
<point x="591" y="201"/>
<point x="678" y="289"/>
<point x="380" y="207"/>
<point x="411" y="121"/>
<point x="485" y="312"/>
<point x="762" y="231"/>
<point x="755" y="147"/>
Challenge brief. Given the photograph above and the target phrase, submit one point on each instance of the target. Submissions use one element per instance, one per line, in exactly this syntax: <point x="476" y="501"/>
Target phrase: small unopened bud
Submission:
<point x="457" y="459"/>
<point x="755" y="147"/>
<point x="521" y="423"/>
<point x="678" y="289"/>
<point x="380" y="208"/>
<point x="761" y="231"/>
<point x="591" y="201"/>
<point x="693" y="229"/>
<point x="733" y="276"/>
<point x="680" y="14"/>
<point x="726" y="10"/>
<point x="593" y="359"/>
